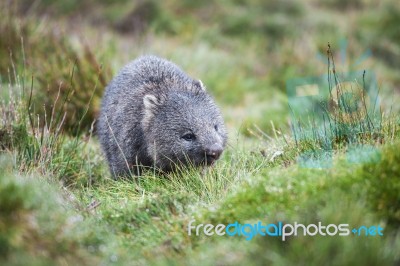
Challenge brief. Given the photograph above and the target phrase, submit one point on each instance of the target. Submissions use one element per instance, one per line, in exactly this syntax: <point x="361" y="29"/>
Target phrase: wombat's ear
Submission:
<point x="198" y="84"/>
<point x="150" y="102"/>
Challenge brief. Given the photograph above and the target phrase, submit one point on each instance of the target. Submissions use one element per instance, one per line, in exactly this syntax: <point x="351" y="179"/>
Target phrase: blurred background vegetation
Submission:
<point x="244" y="51"/>
<point x="58" y="56"/>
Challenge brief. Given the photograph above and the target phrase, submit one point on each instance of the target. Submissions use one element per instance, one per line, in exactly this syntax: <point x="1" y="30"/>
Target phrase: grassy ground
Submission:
<point x="58" y="203"/>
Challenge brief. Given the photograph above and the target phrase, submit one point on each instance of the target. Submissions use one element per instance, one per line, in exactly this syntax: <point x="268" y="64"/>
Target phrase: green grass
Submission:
<point x="58" y="202"/>
<point x="97" y="219"/>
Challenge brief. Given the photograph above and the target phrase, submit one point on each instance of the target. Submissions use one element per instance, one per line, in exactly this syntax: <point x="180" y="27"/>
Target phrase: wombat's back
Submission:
<point x="146" y="70"/>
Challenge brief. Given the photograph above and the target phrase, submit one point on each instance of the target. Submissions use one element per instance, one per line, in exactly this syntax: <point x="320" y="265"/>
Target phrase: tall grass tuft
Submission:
<point x="351" y="117"/>
<point x="65" y="77"/>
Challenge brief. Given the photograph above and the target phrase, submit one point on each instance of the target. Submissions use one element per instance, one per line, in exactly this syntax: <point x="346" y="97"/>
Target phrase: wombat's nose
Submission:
<point x="213" y="152"/>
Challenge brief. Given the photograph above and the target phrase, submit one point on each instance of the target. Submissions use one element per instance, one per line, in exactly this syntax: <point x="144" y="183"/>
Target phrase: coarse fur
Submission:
<point x="155" y="115"/>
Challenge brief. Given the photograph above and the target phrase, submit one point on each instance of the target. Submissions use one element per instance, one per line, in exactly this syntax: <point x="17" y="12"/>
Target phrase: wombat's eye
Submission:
<point x="216" y="128"/>
<point x="189" y="137"/>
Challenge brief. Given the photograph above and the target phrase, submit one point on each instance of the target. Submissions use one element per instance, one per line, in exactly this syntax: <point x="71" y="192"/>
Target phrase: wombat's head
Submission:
<point x="183" y="127"/>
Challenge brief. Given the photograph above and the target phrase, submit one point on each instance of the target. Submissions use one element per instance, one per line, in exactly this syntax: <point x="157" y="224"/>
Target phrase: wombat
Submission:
<point x="154" y="115"/>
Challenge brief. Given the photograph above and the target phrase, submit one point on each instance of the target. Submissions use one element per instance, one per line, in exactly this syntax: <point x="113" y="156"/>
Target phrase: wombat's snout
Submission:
<point x="213" y="153"/>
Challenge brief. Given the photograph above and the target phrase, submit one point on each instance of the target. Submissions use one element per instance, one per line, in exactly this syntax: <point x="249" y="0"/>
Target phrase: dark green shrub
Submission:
<point x="383" y="181"/>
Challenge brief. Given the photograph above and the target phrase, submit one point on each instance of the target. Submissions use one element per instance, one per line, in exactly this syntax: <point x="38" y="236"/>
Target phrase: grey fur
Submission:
<point x="147" y="114"/>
